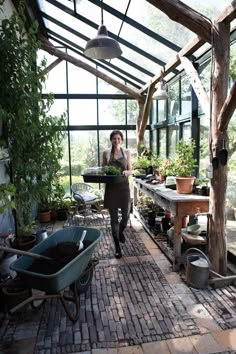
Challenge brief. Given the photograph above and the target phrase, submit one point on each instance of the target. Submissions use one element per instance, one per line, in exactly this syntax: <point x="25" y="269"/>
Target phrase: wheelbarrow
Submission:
<point x="76" y="274"/>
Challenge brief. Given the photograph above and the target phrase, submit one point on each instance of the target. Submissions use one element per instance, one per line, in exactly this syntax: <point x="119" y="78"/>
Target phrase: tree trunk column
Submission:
<point x="220" y="67"/>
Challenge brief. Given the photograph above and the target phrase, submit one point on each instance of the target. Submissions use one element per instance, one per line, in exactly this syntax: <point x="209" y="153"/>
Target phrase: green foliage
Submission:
<point x="167" y="167"/>
<point x="112" y="170"/>
<point x="34" y="137"/>
<point x="7" y="191"/>
<point x="26" y="230"/>
<point x="231" y="192"/>
<point x="141" y="162"/>
<point x="232" y="66"/>
<point x="184" y="161"/>
<point x="182" y="164"/>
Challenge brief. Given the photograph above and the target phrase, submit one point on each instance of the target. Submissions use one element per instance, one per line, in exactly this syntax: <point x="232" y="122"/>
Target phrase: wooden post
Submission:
<point x="217" y="237"/>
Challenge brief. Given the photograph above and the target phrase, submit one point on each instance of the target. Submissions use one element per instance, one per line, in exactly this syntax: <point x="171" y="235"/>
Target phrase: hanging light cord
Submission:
<point x="102" y="11"/>
<point x="127" y="8"/>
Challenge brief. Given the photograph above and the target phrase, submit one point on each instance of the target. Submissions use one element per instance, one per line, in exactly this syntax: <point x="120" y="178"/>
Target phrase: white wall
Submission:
<point x="8" y="8"/>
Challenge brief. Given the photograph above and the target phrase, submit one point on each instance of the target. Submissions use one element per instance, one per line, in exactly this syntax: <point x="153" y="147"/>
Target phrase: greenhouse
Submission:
<point x="105" y="108"/>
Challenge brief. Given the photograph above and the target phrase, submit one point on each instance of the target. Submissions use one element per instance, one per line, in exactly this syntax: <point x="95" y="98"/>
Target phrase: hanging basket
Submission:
<point x="184" y="185"/>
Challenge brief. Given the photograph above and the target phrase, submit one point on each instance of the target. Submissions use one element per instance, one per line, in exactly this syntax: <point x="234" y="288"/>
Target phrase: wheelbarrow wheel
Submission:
<point x="82" y="284"/>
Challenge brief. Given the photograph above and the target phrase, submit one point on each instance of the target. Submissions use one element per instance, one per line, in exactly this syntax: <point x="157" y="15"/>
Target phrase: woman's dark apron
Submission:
<point x="117" y="195"/>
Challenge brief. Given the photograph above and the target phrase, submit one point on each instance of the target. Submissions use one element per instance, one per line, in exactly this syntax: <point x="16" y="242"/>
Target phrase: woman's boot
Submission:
<point x="118" y="253"/>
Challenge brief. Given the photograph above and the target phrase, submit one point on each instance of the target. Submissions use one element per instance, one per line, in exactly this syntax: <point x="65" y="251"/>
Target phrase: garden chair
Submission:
<point x="88" y="203"/>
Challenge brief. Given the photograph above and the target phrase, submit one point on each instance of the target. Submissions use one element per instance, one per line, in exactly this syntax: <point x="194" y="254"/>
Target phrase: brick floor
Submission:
<point x="134" y="305"/>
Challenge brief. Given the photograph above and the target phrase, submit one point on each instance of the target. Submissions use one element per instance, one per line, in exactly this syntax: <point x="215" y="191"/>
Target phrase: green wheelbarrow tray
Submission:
<point x="70" y="273"/>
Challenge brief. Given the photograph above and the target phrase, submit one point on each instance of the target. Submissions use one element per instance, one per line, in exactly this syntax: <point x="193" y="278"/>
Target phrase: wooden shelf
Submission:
<point x="161" y="242"/>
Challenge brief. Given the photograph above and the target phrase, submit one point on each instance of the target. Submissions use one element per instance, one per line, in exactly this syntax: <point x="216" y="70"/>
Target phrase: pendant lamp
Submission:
<point x="102" y="46"/>
<point x="161" y="92"/>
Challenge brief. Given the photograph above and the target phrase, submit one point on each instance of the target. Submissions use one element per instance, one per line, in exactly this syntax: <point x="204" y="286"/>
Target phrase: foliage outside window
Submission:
<point x="186" y="99"/>
<point x="173" y="101"/>
<point x="186" y="131"/>
<point x="162" y="142"/>
<point x="172" y="134"/>
<point x="132" y="111"/>
<point x="162" y="110"/>
<point x="111" y="112"/>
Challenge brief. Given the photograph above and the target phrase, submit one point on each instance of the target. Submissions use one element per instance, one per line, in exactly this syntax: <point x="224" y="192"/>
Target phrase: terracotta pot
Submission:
<point x="62" y="214"/>
<point x="14" y="294"/>
<point x="45" y="216"/>
<point x="184" y="185"/>
<point x="26" y="243"/>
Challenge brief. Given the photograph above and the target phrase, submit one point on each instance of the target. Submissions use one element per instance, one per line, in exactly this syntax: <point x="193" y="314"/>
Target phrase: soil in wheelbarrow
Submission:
<point x="61" y="254"/>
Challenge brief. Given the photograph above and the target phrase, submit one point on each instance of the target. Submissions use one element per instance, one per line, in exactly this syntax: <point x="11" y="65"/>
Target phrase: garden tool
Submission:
<point x="25" y="253"/>
<point x="80" y="243"/>
<point x="223" y="154"/>
<point x="215" y="159"/>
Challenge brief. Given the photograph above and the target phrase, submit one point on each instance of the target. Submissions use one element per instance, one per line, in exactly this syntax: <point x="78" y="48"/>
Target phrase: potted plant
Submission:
<point x="184" y="166"/>
<point x="166" y="168"/>
<point x="143" y="163"/>
<point x="33" y="137"/>
<point x="63" y="208"/>
<point x="201" y="186"/>
<point x="26" y="236"/>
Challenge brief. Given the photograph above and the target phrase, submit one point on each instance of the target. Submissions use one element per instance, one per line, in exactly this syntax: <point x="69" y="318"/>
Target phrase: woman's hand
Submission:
<point x="127" y="173"/>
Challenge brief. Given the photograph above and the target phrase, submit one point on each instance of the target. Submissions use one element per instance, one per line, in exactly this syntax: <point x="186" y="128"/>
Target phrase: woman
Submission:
<point x="117" y="195"/>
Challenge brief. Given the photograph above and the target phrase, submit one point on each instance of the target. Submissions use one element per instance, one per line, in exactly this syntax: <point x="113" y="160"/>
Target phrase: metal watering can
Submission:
<point x="197" y="268"/>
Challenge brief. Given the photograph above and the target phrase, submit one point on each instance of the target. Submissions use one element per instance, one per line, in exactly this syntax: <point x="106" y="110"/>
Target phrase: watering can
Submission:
<point x="197" y="266"/>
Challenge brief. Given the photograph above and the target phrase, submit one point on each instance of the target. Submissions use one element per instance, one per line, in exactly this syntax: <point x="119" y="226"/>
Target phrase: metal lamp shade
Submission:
<point x="161" y="92"/>
<point x="102" y="46"/>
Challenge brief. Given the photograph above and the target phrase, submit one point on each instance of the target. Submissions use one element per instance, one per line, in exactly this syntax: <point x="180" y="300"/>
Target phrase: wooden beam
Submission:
<point x="145" y="116"/>
<point x="197" y="85"/>
<point x="52" y="66"/>
<point x="186" y="16"/>
<point x="228" y="14"/>
<point x="48" y="47"/>
<point x="138" y="122"/>
<point x="228" y="109"/>
<point x="187" y="50"/>
<point x="219" y="85"/>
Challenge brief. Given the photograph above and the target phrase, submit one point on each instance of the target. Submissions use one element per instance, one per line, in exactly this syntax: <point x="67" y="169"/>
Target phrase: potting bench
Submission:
<point x="180" y="205"/>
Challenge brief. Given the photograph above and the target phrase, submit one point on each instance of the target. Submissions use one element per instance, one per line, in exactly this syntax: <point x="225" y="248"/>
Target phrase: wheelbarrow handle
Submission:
<point x="25" y="253"/>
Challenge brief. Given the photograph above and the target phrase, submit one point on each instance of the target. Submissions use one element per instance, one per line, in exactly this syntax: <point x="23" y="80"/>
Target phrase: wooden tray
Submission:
<point x="103" y="178"/>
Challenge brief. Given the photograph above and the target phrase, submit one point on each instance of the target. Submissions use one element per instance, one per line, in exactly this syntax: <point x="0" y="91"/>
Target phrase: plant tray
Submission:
<point x="103" y="178"/>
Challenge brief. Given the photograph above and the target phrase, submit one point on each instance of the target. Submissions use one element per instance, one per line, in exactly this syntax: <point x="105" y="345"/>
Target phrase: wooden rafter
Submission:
<point x="51" y="49"/>
<point x="145" y="115"/>
<point x="196" y="84"/>
<point x="187" y="50"/>
<point x="227" y="109"/>
<point x="52" y="66"/>
<point x="228" y="14"/>
<point x="186" y="16"/>
<point x="195" y="43"/>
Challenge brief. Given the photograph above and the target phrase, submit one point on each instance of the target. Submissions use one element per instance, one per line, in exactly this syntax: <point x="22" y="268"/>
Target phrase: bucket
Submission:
<point x="197" y="268"/>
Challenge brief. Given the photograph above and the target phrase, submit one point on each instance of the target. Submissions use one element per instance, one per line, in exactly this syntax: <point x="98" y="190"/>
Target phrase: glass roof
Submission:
<point x="148" y="38"/>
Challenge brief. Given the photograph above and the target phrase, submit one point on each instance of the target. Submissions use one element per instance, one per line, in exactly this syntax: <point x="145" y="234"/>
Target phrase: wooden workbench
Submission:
<point x="180" y="206"/>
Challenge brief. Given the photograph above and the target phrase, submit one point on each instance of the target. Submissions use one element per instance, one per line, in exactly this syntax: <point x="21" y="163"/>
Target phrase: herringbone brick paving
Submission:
<point x="130" y="302"/>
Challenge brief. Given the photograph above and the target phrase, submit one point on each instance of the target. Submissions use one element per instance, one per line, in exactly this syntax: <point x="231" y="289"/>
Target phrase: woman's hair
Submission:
<point x="115" y="132"/>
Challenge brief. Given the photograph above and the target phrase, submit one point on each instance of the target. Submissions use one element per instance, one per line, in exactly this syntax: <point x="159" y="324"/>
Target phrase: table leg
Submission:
<point x="177" y="242"/>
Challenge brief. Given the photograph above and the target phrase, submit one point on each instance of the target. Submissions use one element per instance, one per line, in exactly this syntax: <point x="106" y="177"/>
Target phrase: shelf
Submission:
<point x="161" y="242"/>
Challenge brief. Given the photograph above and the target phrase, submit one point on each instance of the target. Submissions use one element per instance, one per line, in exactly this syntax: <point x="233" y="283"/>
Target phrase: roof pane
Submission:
<point x="147" y="43"/>
<point x="158" y="22"/>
